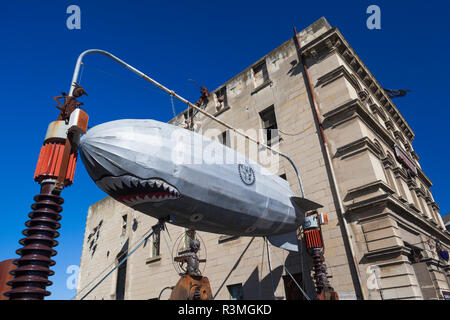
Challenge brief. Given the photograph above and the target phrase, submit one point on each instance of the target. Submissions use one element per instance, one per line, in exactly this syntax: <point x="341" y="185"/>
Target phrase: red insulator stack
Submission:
<point x="314" y="244"/>
<point x="313" y="239"/>
<point x="49" y="162"/>
<point x="33" y="268"/>
<point x="6" y="267"/>
<point x="55" y="170"/>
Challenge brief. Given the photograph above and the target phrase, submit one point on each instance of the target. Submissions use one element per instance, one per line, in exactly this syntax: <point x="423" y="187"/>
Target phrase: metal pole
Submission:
<point x="270" y="266"/>
<point x="172" y="93"/>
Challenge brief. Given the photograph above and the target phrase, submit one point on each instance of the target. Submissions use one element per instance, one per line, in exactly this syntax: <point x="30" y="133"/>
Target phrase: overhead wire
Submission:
<point x="120" y="263"/>
<point x="109" y="266"/>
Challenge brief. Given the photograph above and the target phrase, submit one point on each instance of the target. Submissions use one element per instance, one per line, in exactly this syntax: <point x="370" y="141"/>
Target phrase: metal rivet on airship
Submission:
<point x="196" y="217"/>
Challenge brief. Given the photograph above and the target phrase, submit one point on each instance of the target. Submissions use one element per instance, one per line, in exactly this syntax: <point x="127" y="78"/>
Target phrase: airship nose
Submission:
<point x="91" y="160"/>
<point x="97" y="157"/>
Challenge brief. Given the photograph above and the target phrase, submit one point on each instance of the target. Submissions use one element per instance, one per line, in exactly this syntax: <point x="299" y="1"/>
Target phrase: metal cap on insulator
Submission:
<point x="57" y="130"/>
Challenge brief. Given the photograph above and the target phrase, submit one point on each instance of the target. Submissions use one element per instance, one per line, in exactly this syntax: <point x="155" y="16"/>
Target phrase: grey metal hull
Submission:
<point x="240" y="198"/>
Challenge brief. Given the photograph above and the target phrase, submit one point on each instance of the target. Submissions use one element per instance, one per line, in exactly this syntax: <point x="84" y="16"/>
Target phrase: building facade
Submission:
<point x="354" y="151"/>
<point x="446" y="220"/>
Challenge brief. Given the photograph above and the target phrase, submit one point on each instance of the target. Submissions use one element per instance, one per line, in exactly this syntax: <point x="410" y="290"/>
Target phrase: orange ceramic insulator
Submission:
<point x="313" y="239"/>
<point x="49" y="163"/>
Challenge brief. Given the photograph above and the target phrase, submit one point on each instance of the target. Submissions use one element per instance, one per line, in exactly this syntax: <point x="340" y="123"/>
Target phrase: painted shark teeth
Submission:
<point x="142" y="190"/>
<point x="128" y="182"/>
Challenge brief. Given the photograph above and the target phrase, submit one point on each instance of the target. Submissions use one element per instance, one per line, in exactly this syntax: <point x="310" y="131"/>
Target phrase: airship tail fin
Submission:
<point x="286" y="241"/>
<point x="305" y="204"/>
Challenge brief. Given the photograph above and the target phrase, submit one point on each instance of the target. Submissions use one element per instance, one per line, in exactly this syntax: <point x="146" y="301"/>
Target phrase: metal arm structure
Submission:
<point x="173" y="94"/>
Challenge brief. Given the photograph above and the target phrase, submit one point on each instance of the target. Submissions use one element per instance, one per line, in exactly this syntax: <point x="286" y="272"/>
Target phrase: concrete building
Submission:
<point x="384" y="226"/>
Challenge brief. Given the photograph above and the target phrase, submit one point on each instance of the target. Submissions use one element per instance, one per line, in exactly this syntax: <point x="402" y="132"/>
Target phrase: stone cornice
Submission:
<point x="335" y="74"/>
<point x="424" y="177"/>
<point x="420" y="192"/>
<point x="401" y="173"/>
<point x="381" y="254"/>
<point x="377" y="110"/>
<point x="369" y="188"/>
<point x="333" y="40"/>
<point x="389" y="125"/>
<point x="388" y="163"/>
<point x="353" y="108"/>
<point x="435" y="205"/>
<point x="356" y="147"/>
<point x="403" y="210"/>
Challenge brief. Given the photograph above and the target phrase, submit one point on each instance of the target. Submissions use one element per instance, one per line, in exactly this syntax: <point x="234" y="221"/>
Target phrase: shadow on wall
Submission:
<point x="255" y="288"/>
<point x="234" y="267"/>
<point x="296" y="68"/>
<point x="294" y="263"/>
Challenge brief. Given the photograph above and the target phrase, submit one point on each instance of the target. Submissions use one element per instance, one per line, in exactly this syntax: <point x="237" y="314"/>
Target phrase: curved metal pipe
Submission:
<point x="173" y="94"/>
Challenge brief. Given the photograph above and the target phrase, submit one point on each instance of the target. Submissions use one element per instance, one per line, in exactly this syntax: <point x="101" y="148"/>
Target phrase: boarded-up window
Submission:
<point x="156" y="244"/>
<point x="121" y="272"/>
<point x="221" y="98"/>
<point x="260" y="74"/>
<point x="269" y="124"/>
<point x="124" y="224"/>
<point x="224" y="138"/>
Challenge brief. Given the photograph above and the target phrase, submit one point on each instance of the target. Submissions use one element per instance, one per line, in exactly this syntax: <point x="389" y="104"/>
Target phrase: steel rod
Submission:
<point x="172" y="93"/>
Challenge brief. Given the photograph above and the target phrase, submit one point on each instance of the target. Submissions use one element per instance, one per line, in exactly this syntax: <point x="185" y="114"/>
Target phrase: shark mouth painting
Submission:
<point x="131" y="190"/>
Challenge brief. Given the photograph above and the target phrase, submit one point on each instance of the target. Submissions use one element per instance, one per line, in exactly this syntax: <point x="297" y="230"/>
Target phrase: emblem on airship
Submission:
<point x="247" y="174"/>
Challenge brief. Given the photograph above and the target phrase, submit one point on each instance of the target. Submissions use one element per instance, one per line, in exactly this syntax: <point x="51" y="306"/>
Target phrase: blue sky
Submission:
<point x="203" y="40"/>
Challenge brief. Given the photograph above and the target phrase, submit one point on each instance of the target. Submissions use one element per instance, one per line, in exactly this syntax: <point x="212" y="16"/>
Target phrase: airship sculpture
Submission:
<point x="162" y="170"/>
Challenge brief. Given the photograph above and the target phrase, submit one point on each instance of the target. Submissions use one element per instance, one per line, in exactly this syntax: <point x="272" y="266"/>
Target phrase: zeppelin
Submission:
<point x="162" y="170"/>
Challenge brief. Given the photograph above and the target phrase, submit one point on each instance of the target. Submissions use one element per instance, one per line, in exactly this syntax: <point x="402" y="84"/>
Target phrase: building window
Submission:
<point x="121" y="274"/>
<point x="260" y="74"/>
<point x="291" y="289"/>
<point x="156" y="244"/>
<point x="236" y="291"/>
<point x="224" y="138"/>
<point x="269" y="124"/>
<point x="221" y="98"/>
<point x="124" y="224"/>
